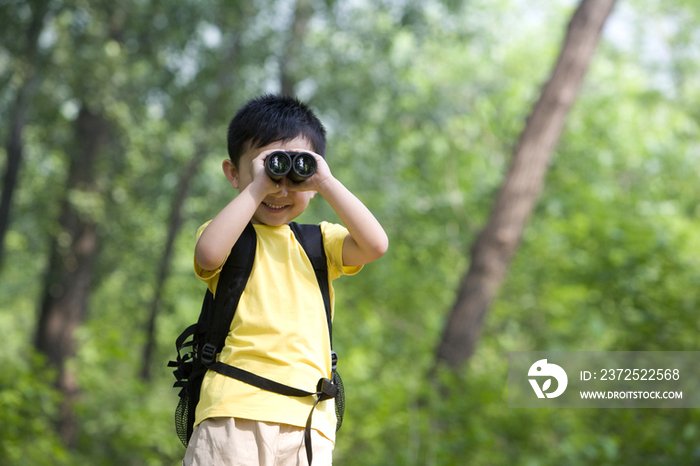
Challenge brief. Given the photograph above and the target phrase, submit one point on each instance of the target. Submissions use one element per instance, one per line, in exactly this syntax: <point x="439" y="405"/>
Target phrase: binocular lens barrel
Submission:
<point x="277" y="165"/>
<point x="297" y="166"/>
<point x="304" y="165"/>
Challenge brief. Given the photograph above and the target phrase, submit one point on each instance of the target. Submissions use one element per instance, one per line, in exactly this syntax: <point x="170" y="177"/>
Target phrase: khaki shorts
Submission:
<point x="226" y="441"/>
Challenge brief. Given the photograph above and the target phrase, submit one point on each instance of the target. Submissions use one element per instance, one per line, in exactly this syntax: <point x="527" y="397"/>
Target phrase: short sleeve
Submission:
<point x="333" y="238"/>
<point x="210" y="277"/>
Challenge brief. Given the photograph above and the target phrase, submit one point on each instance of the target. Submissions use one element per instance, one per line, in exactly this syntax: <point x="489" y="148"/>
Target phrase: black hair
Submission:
<point x="270" y="118"/>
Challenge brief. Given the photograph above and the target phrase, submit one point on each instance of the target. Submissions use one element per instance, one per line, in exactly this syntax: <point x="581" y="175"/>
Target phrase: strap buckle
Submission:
<point x="326" y="390"/>
<point x="208" y="354"/>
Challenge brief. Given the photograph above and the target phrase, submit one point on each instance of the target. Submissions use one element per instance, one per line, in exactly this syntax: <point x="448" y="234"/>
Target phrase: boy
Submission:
<point x="279" y="330"/>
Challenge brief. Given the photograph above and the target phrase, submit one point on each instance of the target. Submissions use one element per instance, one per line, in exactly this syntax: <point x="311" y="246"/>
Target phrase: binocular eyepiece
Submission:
<point x="297" y="166"/>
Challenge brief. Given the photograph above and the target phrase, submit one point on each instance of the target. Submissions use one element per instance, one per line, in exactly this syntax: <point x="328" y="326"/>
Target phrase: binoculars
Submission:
<point x="297" y="166"/>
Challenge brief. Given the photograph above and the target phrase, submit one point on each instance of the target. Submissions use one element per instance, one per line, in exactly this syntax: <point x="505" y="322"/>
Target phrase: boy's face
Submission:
<point x="277" y="208"/>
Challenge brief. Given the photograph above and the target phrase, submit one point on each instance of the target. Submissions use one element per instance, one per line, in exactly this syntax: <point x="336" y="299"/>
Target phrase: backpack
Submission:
<point x="198" y="345"/>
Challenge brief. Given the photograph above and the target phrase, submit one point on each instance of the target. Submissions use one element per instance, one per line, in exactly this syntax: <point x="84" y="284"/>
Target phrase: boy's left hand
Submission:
<point x="316" y="181"/>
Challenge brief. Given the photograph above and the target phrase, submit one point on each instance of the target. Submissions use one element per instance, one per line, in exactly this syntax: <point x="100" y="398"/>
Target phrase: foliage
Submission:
<point x="423" y="102"/>
<point x="28" y="405"/>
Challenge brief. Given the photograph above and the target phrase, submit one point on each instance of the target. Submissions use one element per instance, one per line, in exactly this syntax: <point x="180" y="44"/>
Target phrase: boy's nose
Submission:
<point x="284" y="183"/>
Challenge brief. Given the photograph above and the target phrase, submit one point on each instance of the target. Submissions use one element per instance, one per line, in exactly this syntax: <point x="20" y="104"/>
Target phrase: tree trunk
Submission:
<point x="72" y="256"/>
<point x="18" y="118"/>
<point x="289" y="74"/>
<point x="498" y="241"/>
<point x="14" y="159"/>
<point x="164" y="264"/>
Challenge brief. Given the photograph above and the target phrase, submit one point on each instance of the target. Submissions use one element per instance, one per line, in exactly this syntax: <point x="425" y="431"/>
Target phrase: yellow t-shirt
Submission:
<point x="279" y="331"/>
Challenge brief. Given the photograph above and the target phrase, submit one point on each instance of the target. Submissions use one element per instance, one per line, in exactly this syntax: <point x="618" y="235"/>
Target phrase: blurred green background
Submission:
<point x="122" y="107"/>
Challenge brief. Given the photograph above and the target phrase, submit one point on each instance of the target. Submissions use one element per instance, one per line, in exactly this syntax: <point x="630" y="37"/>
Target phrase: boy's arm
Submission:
<point x="221" y="234"/>
<point x="366" y="240"/>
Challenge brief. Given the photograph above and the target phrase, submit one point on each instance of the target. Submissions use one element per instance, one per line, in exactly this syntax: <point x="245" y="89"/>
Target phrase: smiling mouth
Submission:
<point x="274" y="207"/>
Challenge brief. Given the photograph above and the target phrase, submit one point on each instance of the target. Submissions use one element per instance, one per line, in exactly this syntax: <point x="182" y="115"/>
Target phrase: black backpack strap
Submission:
<point x="258" y="381"/>
<point x="232" y="281"/>
<point x="311" y="239"/>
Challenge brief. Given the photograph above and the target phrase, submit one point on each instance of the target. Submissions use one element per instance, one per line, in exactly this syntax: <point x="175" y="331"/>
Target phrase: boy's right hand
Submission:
<point x="259" y="176"/>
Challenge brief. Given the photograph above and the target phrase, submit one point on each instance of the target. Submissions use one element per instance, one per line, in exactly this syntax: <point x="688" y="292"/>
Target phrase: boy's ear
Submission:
<point x="231" y="172"/>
